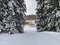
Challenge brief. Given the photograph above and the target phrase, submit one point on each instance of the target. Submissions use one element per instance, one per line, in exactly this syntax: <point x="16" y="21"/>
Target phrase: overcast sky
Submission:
<point x="31" y="6"/>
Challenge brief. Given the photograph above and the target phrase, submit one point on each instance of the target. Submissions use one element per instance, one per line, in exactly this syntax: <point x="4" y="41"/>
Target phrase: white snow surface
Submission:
<point x="31" y="37"/>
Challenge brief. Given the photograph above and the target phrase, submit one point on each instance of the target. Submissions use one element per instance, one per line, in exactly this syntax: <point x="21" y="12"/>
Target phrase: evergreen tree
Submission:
<point x="18" y="8"/>
<point x="46" y="15"/>
<point x="13" y="15"/>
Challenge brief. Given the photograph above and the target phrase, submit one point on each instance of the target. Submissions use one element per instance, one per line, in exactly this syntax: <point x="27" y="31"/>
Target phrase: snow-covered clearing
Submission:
<point x="31" y="37"/>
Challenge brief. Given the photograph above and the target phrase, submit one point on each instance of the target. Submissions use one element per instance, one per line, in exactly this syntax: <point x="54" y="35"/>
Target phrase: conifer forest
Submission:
<point x="12" y="16"/>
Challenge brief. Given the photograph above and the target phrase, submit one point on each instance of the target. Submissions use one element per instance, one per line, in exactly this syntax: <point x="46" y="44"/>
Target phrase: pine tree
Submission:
<point x="2" y="12"/>
<point x="46" y="15"/>
<point x="13" y="17"/>
<point x="17" y="10"/>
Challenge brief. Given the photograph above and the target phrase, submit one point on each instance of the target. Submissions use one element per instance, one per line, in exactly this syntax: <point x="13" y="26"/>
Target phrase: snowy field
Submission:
<point x="31" y="37"/>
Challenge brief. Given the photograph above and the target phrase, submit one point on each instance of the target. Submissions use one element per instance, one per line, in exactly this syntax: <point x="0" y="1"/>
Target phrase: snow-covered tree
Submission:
<point x="16" y="10"/>
<point x="46" y="15"/>
<point x="13" y="15"/>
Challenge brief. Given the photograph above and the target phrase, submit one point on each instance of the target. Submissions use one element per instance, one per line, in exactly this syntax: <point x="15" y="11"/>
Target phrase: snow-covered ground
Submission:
<point x="31" y="37"/>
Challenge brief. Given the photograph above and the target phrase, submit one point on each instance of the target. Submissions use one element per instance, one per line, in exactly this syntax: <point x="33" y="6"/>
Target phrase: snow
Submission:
<point x="58" y="14"/>
<point x="31" y="37"/>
